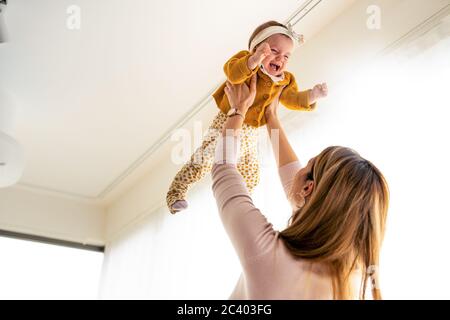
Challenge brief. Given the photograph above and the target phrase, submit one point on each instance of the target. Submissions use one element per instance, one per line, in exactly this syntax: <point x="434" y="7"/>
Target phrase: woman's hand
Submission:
<point x="272" y="110"/>
<point x="241" y="96"/>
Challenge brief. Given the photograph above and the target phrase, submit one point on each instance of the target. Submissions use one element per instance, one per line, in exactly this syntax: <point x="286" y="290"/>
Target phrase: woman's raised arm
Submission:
<point x="287" y="160"/>
<point x="281" y="147"/>
<point x="247" y="227"/>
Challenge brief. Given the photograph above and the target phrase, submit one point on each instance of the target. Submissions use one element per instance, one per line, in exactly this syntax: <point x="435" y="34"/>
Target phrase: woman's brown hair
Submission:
<point x="342" y="224"/>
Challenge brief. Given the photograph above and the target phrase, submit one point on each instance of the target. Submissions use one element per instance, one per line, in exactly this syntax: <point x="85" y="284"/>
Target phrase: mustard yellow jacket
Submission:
<point x="237" y="71"/>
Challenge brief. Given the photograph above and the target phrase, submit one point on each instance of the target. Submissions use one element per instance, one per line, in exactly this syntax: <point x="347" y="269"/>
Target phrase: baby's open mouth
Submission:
<point x="275" y="67"/>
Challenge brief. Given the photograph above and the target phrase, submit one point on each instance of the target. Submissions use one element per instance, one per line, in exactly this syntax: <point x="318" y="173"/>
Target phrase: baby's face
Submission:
<point x="281" y="47"/>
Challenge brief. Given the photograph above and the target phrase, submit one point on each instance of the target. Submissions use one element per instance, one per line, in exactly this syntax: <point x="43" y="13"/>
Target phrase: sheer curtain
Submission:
<point x="186" y="256"/>
<point x="394" y="113"/>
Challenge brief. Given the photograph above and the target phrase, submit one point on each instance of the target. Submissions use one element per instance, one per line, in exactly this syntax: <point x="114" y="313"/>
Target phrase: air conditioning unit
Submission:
<point x="3" y="31"/>
<point x="12" y="160"/>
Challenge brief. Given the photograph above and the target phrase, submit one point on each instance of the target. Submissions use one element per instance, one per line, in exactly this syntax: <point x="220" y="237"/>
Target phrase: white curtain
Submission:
<point x="186" y="256"/>
<point x="396" y="114"/>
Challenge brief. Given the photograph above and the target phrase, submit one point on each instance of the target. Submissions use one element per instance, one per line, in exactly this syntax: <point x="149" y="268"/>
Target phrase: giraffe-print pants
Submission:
<point x="202" y="160"/>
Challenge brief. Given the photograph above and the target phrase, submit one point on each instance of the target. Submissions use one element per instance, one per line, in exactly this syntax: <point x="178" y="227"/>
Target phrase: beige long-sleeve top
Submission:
<point x="269" y="270"/>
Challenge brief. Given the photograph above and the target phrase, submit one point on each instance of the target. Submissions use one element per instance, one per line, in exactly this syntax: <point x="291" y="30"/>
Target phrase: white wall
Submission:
<point x="152" y="254"/>
<point x="40" y="214"/>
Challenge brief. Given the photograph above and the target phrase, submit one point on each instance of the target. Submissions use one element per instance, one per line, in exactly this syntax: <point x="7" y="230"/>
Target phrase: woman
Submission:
<point x="331" y="246"/>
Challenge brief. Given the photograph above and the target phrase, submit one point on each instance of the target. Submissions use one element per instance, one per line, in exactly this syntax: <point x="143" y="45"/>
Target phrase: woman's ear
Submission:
<point x="308" y="188"/>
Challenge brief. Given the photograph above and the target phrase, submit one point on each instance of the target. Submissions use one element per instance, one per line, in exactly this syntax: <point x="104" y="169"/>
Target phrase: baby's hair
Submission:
<point x="262" y="27"/>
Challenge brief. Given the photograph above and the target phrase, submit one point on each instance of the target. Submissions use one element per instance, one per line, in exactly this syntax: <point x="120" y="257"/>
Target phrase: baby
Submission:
<point x="270" y="48"/>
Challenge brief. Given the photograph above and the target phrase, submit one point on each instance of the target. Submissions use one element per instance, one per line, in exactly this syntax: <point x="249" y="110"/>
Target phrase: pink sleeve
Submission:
<point x="287" y="175"/>
<point x="249" y="231"/>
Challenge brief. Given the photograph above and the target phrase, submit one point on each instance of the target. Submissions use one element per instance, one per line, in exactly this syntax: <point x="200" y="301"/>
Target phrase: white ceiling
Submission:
<point x="93" y="101"/>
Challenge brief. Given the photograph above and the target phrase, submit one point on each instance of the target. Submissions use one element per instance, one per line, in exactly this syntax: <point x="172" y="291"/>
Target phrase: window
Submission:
<point x="33" y="270"/>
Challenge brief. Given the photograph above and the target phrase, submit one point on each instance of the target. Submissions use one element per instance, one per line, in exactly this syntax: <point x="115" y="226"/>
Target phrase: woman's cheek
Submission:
<point x="291" y="199"/>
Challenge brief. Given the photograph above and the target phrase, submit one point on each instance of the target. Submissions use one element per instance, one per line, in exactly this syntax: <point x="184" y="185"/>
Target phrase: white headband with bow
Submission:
<point x="270" y="31"/>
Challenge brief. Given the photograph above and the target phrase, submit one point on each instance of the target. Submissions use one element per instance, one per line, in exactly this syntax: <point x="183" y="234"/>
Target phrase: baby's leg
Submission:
<point x="199" y="164"/>
<point x="248" y="164"/>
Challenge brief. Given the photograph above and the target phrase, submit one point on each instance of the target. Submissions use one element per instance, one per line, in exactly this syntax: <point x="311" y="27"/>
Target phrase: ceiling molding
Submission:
<point x="418" y="31"/>
<point x="59" y="193"/>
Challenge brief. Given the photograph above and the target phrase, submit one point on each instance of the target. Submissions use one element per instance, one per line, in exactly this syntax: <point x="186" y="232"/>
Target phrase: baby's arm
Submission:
<point x="244" y="64"/>
<point x="237" y="68"/>
<point x="306" y="100"/>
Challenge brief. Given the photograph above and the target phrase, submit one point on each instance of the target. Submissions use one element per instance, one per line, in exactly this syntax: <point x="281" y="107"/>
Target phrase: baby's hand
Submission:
<point x="319" y="91"/>
<point x="260" y="54"/>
